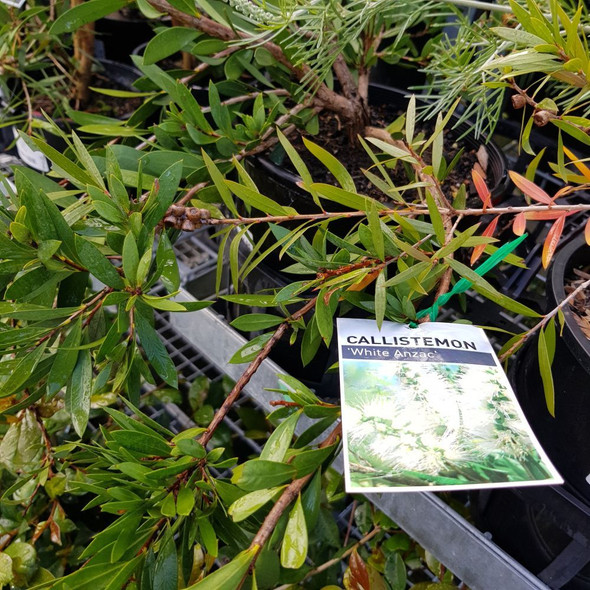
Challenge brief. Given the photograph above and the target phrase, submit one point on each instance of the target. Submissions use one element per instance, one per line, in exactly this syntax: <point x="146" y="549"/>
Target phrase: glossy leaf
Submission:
<point x="338" y="170"/>
<point x="487" y="232"/>
<point x="23" y="370"/>
<point x="256" y="321"/>
<point x="279" y="441"/>
<point x="519" y="224"/>
<point x="208" y="536"/>
<point x="247" y="505"/>
<point x="98" y="264"/>
<point x="545" y="370"/>
<point x="185" y="501"/>
<point x="130" y="258"/>
<point x="482" y="189"/>
<point x="166" y="568"/>
<point x="167" y="42"/>
<point x="295" y="541"/>
<point x="156" y="351"/>
<point x="84" y="13"/>
<point x="140" y="442"/>
<point x="357" y="575"/>
<point x="552" y="240"/>
<point x="77" y="400"/>
<point x="251" y="349"/>
<point x="65" y="359"/>
<point x="530" y="189"/>
<point x="228" y="576"/>
<point x="259" y="474"/>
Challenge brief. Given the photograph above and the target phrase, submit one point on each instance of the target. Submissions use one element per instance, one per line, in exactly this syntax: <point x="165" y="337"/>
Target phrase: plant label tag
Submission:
<point x="16" y="3"/>
<point x="33" y="158"/>
<point x="430" y="408"/>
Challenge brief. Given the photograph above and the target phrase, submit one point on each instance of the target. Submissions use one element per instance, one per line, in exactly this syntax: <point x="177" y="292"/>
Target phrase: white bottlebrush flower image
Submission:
<point x="434" y="424"/>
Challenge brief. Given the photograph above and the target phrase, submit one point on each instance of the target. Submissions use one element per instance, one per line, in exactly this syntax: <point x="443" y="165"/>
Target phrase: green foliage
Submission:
<point x="88" y="266"/>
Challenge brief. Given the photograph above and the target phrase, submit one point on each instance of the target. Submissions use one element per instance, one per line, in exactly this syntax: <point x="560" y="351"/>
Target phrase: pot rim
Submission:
<point x="562" y="263"/>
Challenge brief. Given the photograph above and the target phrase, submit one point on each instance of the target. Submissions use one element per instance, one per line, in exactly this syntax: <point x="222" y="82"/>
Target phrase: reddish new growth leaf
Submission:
<point x="587" y="232"/>
<point x="519" y="224"/>
<point x="482" y="189"/>
<point x="552" y="240"/>
<point x="358" y="578"/>
<point x="530" y="189"/>
<point x="544" y="215"/>
<point x="487" y="232"/>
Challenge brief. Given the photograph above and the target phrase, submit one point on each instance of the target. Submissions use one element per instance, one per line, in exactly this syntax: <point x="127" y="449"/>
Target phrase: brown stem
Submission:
<point x="83" y="53"/>
<point x="328" y="98"/>
<point x="249" y="372"/>
<point x="408" y="211"/>
<point x="585" y="285"/>
<point x="96" y="299"/>
<point x="288" y="495"/>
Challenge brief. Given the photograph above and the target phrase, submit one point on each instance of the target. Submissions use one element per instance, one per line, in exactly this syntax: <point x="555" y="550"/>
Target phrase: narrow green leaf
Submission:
<point x="482" y="286"/>
<point x="295" y="541"/>
<point x="167" y="42"/>
<point x="63" y="165"/>
<point x="332" y="164"/>
<point x="130" y="258"/>
<point x="376" y="232"/>
<point x="259" y="474"/>
<point x="142" y="443"/>
<point x="156" y="351"/>
<point x="230" y="575"/>
<point x="87" y="161"/>
<point x="251" y="349"/>
<point x="256" y="199"/>
<point x="380" y="298"/>
<point x="208" y="536"/>
<point x="84" y="13"/>
<point x="256" y="321"/>
<point x="406" y="275"/>
<point x="247" y="505"/>
<point x="166" y="568"/>
<point x="98" y="264"/>
<point x="436" y="219"/>
<point x="65" y="359"/>
<point x="545" y="370"/>
<point x="185" y="501"/>
<point x="219" y="182"/>
<point x="77" y="400"/>
<point x="26" y="365"/>
<point x="279" y="441"/>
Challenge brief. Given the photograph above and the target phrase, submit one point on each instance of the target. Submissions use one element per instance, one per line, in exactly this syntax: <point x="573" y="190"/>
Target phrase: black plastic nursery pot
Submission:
<point x="546" y="529"/>
<point x="565" y="437"/>
<point x="280" y="183"/>
<point x="120" y="32"/>
<point x="121" y="74"/>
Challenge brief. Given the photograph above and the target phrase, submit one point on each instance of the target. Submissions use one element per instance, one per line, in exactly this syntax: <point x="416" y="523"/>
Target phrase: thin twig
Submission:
<point x="289" y="494"/>
<point x="585" y="285"/>
<point x="249" y="372"/>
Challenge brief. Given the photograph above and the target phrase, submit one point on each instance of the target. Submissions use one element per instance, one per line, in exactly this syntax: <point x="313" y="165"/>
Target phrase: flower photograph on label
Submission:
<point x="431" y="408"/>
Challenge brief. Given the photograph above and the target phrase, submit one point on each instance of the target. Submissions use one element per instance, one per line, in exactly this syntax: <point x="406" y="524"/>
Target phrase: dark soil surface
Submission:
<point x="333" y="137"/>
<point x="101" y="104"/>
<point x="111" y="106"/>
<point x="581" y="303"/>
